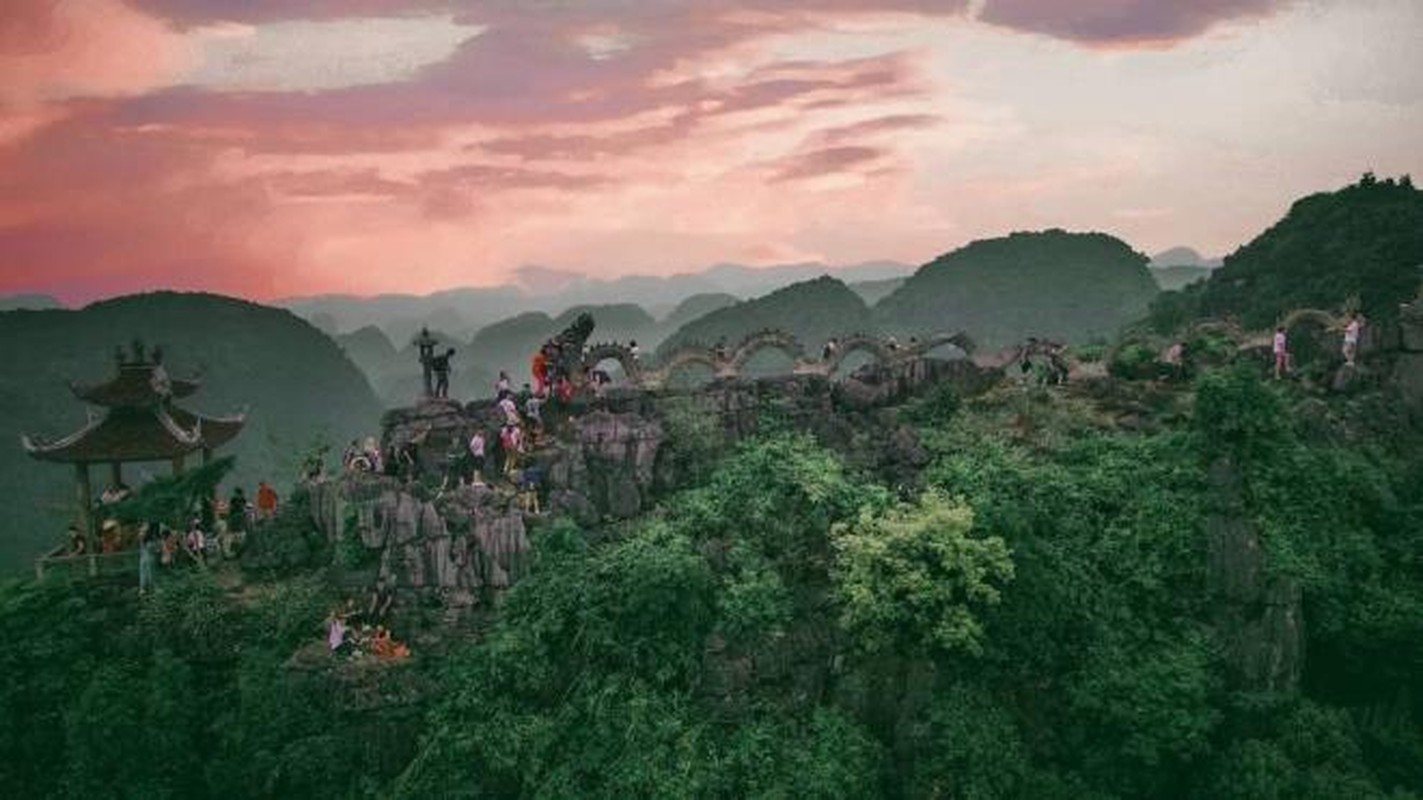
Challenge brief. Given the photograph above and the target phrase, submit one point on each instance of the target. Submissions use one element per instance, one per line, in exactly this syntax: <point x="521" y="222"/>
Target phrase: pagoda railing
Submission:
<point x="60" y="560"/>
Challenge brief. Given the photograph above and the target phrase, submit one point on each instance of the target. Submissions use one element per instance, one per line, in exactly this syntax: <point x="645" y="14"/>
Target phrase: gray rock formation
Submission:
<point x="1259" y="620"/>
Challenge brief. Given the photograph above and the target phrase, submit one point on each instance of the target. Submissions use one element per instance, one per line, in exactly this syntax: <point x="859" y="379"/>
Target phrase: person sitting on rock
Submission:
<point x="335" y="631"/>
<point x="382" y="597"/>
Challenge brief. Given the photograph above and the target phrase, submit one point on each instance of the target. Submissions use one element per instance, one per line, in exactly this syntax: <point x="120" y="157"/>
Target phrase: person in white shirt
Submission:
<point x="1351" y="337"/>
<point x="1282" y="353"/>
<point x="476" y="453"/>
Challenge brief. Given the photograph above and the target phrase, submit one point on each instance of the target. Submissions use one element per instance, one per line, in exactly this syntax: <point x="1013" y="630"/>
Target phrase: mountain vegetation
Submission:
<point x="698" y="305"/>
<point x="1047" y="611"/>
<point x="1053" y="284"/>
<point x="1198" y="582"/>
<point x="1363" y="242"/>
<point x="295" y="383"/>
<point x="813" y="311"/>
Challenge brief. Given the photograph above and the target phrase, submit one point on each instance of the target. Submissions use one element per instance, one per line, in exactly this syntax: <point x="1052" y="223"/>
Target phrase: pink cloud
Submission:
<point x="827" y="161"/>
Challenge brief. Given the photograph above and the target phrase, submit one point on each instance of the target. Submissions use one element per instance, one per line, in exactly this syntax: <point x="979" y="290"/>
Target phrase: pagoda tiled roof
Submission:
<point x="135" y="386"/>
<point x="159" y="433"/>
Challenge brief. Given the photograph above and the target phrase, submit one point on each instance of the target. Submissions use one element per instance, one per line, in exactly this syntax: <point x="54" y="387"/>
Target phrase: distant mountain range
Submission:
<point x="294" y="382"/>
<point x="28" y="302"/>
<point x="463" y="312"/>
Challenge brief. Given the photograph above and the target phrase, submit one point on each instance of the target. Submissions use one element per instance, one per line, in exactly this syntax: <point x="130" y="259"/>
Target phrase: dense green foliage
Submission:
<point x="1363" y="241"/>
<point x="292" y="380"/>
<point x="1047" y="613"/>
<point x="1053" y="284"/>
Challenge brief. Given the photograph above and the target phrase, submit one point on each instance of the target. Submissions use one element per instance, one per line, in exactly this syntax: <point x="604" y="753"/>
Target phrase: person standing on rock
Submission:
<point x="426" y="344"/>
<point x="441" y="365"/>
<point x="476" y="454"/>
<point x="1281" y="349"/>
<point x="1351" y="337"/>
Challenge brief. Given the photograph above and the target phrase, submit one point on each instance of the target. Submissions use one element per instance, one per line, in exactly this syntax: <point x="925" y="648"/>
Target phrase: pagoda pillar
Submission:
<point x="177" y="465"/>
<point x="86" y="512"/>
<point x="116" y="473"/>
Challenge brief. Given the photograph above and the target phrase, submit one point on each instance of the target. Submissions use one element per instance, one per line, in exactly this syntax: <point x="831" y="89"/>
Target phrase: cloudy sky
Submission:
<point x="268" y="148"/>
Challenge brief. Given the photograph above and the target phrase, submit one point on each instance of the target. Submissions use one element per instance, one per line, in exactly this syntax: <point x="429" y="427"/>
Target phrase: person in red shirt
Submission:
<point x="266" y="501"/>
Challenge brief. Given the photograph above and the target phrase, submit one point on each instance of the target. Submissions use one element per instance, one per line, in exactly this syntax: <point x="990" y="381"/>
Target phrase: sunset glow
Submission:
<point x="267" y="149"/>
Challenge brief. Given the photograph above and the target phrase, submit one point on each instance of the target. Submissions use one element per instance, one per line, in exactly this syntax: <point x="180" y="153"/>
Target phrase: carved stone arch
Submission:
<point x="772" y="339"/>
<point x="605" y="351"/>
<point x="1324" y="319"/>
<point x="684" y="357"/>
<point x="959" y="339"/>
<point x="858" y="343"/>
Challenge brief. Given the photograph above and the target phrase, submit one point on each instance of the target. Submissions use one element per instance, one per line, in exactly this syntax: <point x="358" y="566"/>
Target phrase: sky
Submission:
<point x="275" y="148"/>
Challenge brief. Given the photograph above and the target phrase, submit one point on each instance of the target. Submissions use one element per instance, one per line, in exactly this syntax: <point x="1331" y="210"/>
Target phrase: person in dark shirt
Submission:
<point x="237" y="511"/>
<point x="441" y="365"/>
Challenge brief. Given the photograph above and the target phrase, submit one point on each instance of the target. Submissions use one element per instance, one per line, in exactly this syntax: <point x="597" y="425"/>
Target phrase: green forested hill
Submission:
<point x="1050" y="284"/>
<point x="814" y="311"/>
<point x="698" y="305"/>
<point x="294" y="381"/>
<point x="1364" y="240"/>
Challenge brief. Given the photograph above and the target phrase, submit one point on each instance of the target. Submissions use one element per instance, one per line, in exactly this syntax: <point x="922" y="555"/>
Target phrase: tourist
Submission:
<point x="533" y="411"/>
<point x="511" y="440"/>
<point x="829" y="350"/>
<point x="335" y="631"/>
<point x="530" y="479"/>
<point x="370" y="451"/>
<point x="441" y="365"/>
<point x="77" y="545"/>
<point x="382" y="598"/>
<point x="195" y="542"/>
<point x="237" y="512"/>
<point x="476" y="453"/>
<point x="892" y="343"/>
<point x="1351" y="337"/>
<point x="109" y="536"/>
<point x="633" y="349"/>
<point x="167" y="546"/>
<point x="145" y="559"/>
<point x="1281" y="350"/>
<point x="539" y="368"/>
<point x="510" y="409"/>
<point x="501" y="386"/>
<point x="266" y="501"/>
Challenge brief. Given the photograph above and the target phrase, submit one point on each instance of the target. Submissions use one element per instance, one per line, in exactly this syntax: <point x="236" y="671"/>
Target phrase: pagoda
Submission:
<point x="136" y="421"/>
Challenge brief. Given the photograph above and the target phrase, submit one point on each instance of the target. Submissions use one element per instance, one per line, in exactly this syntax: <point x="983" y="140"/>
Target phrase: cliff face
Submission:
<point x="601" y="462"/>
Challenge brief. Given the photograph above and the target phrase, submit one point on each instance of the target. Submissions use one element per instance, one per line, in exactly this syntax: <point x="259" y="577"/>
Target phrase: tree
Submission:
<point x="911" y="578"/>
